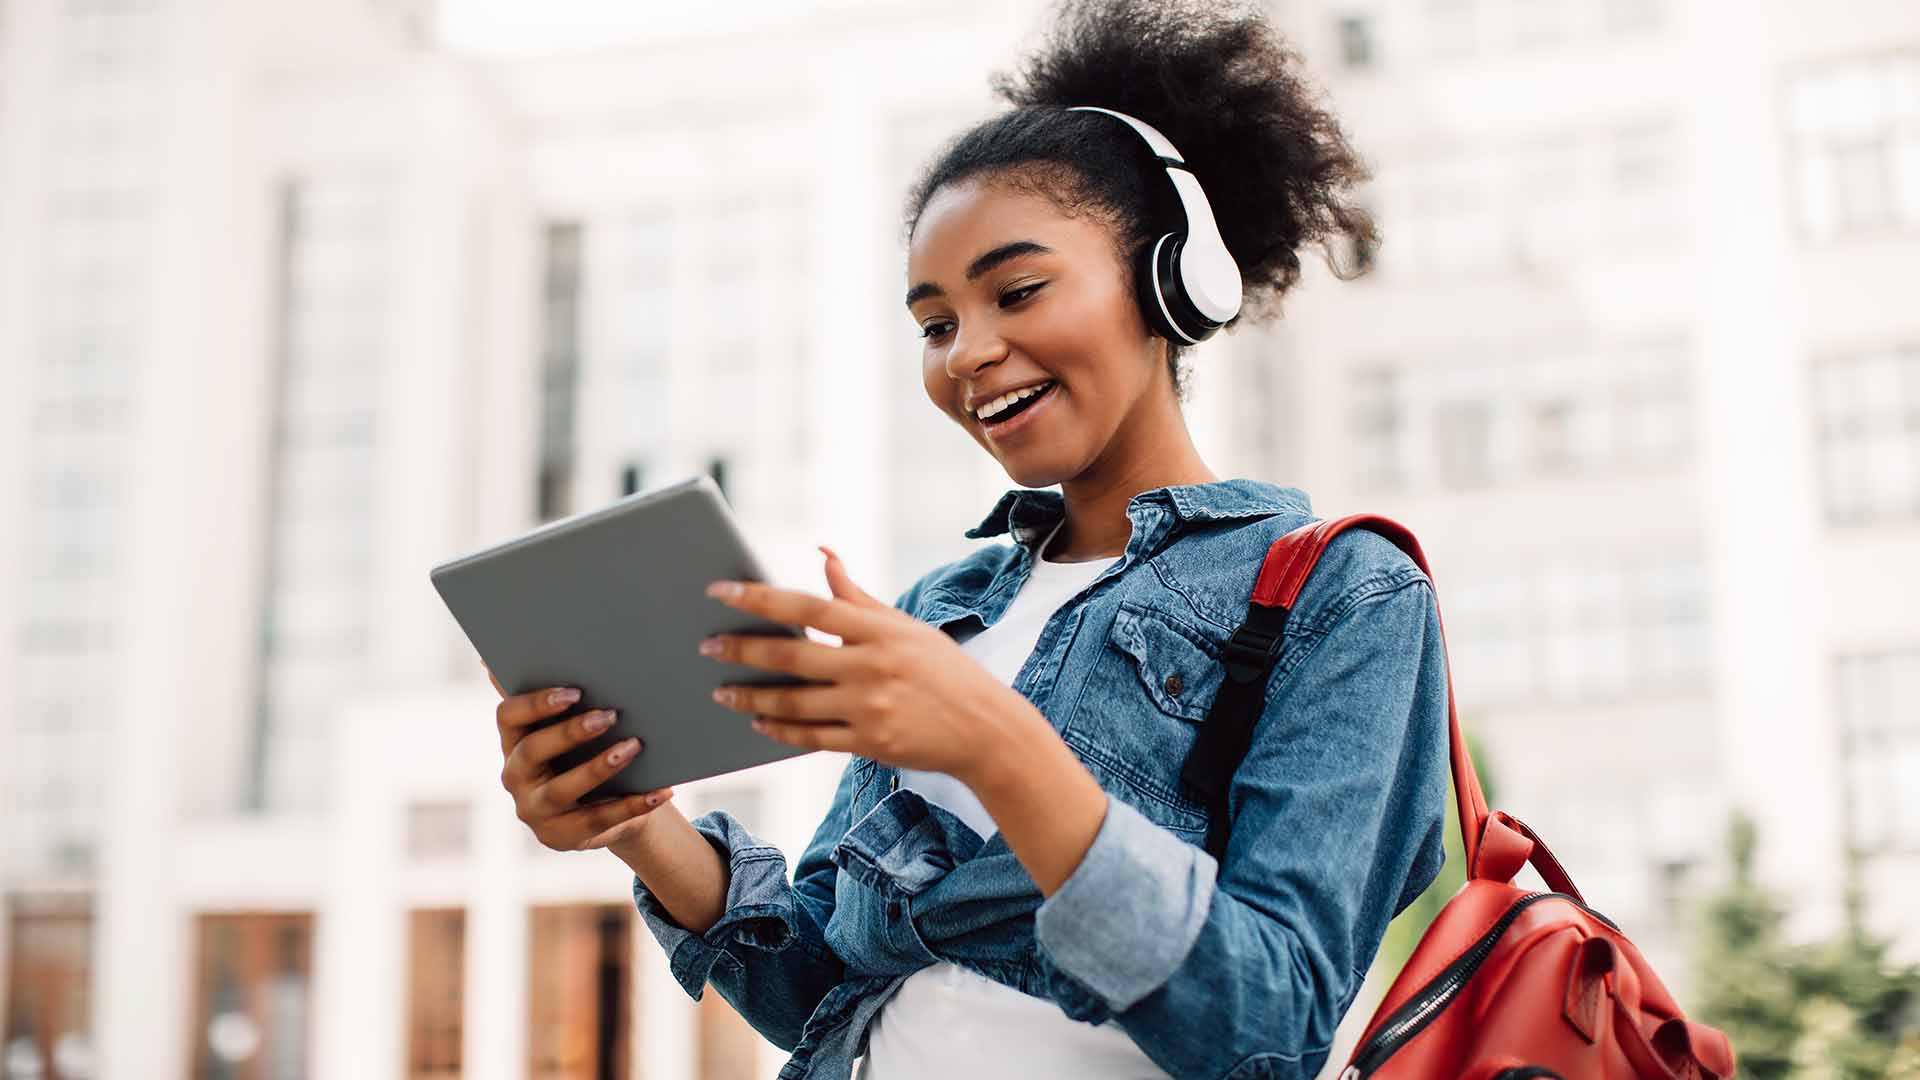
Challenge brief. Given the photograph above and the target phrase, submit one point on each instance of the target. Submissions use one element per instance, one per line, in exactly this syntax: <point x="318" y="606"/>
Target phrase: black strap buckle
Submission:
<point x="1250" y="652"/>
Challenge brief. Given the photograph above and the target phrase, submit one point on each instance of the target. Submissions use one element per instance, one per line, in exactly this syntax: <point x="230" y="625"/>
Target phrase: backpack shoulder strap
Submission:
<point x="1251" y="654"/>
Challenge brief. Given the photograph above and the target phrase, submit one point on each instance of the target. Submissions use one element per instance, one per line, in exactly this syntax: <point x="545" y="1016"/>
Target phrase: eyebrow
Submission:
<point x="981" y="265"/>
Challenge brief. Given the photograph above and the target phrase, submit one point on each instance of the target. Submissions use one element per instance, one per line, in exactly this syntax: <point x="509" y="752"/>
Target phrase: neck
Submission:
<point x="1096" y="501"/>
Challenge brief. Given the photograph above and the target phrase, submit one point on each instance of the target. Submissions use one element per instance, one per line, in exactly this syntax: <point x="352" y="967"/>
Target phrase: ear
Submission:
<point x="843" y="586"/>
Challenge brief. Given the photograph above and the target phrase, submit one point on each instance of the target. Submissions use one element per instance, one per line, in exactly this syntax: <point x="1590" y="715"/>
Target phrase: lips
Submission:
<point x="1009" y="428"/>
<point x="973" y="410"/>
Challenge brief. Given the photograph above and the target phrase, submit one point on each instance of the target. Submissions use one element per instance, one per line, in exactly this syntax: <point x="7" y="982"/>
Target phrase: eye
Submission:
<point x="1009" y="297"/>
<point x="1026" y="289"/>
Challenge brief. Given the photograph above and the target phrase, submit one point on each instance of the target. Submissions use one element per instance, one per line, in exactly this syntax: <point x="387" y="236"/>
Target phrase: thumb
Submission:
<point x="842" y="585"/>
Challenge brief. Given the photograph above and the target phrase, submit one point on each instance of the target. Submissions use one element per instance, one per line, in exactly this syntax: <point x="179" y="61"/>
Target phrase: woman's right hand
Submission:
<point x="549" y="803"/>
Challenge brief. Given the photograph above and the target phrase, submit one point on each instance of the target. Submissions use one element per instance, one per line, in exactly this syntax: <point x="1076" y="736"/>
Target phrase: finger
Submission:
<point x="527" y="762"/>
<point x="818" y="703"/>
<point x="795" y="608"/>
<point x="516" y="713"/>
<point x="576" y="827"/>
<point x="842" y="584"/>
<point x="813" y="736"/>
<point x="565" y="790"/>
<point x="804" y="657"/>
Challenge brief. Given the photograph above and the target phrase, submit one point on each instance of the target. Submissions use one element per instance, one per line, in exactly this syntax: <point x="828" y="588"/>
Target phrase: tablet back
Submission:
<point x="613" y="601"/>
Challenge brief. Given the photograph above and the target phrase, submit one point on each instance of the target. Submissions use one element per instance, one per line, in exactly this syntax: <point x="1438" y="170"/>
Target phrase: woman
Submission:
<point x="1010" y="879"/>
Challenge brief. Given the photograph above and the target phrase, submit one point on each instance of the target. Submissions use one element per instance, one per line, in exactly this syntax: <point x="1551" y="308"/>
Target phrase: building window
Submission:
<point x="1867" y="428"/>
<point x="636" y="278"/>
<point x="49" y="967"/>
<point x="1616" y="407"/>
<point x="314" y="615"/>
<point x="437" y="830"/>
<point x="1463" y="438"/>
<point x="1881" y="739"/>
<point x="252" y="1012"/>
<point x="1519" y="204"/>
<point x="581" y="977"/>
<point x="1377" y="427"/>
<point x="559" y="367"/>
<point x="1593" y="632"/>
<point x="1854" y="136"/>
<point x="1356" y="41"/>
<point x="85" y="308"/>
<point x="438" y="963"/>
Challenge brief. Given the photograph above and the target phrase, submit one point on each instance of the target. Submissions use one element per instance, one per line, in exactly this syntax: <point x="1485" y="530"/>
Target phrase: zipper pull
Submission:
<point x="1351" y="1072"/>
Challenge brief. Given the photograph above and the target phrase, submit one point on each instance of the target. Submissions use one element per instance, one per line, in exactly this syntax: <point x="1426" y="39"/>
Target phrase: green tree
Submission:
<point x="1743" y="975"/>
<point x="1833" y="1008"/>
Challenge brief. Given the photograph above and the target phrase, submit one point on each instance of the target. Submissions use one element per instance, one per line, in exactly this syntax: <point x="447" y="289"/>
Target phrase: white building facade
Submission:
<point x="295" y="307"/>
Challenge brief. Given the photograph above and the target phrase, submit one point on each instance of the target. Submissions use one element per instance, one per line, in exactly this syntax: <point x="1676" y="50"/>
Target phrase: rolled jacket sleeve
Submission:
<point x="1243" y="967"/>
<point x="767" y="954"/>
<point x="1133" y="866"/>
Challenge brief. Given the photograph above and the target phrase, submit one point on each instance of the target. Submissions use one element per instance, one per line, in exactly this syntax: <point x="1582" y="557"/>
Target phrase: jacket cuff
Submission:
<point x="759" y="906"/>
<point x="1127" y="917"/>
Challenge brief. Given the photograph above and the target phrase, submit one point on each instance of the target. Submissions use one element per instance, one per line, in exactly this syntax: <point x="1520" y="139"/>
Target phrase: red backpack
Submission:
<point x="1508" y="983"/>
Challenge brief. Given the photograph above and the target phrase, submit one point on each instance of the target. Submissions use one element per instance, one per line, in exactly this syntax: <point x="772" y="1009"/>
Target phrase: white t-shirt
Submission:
<point x="946" y="1022"/>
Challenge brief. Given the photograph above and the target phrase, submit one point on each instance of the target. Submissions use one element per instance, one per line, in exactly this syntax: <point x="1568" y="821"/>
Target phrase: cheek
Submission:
<point x="939" y="388"/>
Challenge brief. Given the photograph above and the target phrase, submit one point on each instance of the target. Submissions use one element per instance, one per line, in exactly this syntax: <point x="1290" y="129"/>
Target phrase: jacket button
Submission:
<point x="893" y="909"/>
<point x="1173" y="685"/>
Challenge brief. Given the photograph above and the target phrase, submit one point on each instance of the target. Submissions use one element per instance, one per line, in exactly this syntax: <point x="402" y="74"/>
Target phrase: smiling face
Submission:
<point x="1009" y="291"/>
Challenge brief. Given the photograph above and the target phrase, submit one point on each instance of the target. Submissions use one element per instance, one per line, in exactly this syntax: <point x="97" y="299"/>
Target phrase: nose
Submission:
<point x="974" y="350"/>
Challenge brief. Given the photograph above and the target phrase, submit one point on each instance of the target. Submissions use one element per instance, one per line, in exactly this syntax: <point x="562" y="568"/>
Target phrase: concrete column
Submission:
<point x="1761" y="512"/>
<point x="360" y="967"/>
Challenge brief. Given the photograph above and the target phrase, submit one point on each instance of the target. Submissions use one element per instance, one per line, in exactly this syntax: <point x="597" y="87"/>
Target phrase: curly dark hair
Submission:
<point x="1222" y="85"/>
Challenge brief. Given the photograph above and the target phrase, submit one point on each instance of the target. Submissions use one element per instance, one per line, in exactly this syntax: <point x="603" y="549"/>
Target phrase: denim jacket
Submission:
<point x="1230" y="969"/>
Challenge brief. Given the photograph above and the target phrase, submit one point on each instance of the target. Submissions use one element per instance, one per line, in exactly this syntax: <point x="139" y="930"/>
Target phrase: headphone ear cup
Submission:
<point x="1150" y="270"/>
<point x="1192" y="324"/>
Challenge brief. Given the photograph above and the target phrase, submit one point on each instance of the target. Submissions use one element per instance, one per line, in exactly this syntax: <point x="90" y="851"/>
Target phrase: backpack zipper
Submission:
<point x="1412" y="1017"/>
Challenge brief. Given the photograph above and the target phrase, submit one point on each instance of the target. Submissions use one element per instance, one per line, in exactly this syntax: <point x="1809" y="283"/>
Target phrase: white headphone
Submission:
<point x="1189" y="285"/>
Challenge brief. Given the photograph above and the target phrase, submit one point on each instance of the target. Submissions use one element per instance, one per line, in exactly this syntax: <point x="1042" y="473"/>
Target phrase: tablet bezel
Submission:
<point x="500" y="594"/>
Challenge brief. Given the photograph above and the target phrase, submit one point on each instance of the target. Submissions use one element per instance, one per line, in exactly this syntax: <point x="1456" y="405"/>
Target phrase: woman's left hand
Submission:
<point x="901" y="691"/>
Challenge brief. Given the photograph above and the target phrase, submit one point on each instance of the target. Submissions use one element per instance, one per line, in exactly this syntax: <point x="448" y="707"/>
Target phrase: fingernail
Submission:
<point x="620" y="753"/>
<point x="654" y="800"/>
<point x="710" y="647"/>
<point x="563" y="697"/>
<point x="724" y="589"/>
<point x="600" y="721"/>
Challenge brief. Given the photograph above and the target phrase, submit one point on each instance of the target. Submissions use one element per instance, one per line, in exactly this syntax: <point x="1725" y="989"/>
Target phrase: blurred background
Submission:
<point x="298" y="299"/>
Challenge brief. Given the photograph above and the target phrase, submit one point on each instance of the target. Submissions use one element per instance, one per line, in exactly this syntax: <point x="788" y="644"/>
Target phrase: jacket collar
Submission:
<point x="1028" y="512"/>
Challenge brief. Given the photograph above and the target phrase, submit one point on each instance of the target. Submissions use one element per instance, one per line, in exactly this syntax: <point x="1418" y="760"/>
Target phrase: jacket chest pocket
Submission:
<point x="1152" y="685"/>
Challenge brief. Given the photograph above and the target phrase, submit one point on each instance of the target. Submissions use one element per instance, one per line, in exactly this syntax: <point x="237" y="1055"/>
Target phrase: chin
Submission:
<point x="1035" y="474"/>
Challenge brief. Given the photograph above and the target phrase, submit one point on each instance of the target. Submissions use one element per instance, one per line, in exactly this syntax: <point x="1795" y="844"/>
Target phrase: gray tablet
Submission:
<point x="613" y="601"/>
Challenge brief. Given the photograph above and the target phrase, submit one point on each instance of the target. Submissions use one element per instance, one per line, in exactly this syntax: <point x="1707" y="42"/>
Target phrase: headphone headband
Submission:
<point x="1201" y="278"/>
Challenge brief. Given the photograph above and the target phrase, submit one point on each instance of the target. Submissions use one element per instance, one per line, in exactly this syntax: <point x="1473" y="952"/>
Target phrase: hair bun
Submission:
<point x="1222" y="84"/>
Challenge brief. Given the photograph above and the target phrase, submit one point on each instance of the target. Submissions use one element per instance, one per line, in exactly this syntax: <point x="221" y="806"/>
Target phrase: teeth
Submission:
<point x="992" y="408"/>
